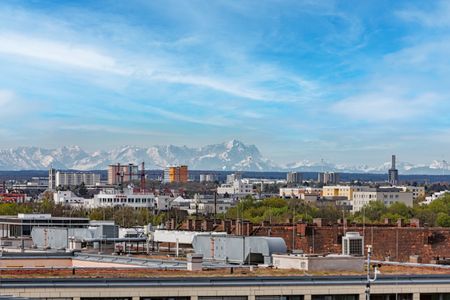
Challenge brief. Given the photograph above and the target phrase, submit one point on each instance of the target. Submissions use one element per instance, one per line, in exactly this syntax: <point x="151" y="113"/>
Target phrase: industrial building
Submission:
<point x="22" y="224"/>
<point x="15" y="231"/>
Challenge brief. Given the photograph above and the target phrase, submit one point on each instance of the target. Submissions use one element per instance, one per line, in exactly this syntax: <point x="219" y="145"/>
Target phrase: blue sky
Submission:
<point x="347" y="81"/>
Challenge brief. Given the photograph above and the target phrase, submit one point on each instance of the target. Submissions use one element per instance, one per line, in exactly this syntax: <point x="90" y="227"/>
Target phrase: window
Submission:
<point x="334" y="297"/>
<point x="289" y="297"/>
<point x="222" y="298"/>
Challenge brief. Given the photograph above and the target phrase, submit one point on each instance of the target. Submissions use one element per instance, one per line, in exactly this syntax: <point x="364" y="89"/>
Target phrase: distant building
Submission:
<point x="22" y="224"/>
<point x="294" y="177"/>
<point x="328" y="177"/>
<point x="66" y="178"/>
<point x="69" y="198"/>
<point x="386" y="195"/>
<point x="176" y="174"/>
<point x="300" y="192"/>
<point x="127" y="197"/>
<point x="237" y="187"/>
<point x="342" y="191"/>
<point x="434" y="196"/>
<point x="233" y="177"/>
<point x="393" y="173"/>
<point x="14" y="198"/>
<point x="417" y="191"/>
<point x="207" y="178"/>
<point x="118" y="172"/>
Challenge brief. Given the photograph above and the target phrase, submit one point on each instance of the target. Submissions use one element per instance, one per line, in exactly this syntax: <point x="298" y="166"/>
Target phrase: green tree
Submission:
<point x="443" y="220"/>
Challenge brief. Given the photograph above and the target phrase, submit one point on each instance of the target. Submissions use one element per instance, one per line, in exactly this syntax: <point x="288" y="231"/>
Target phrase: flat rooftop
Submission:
<point x="191" y="281"/>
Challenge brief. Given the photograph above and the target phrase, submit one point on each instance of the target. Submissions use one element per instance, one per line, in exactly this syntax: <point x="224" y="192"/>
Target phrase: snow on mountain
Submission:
<point x="435" y="168"/>
<point x="232" y="155"/>
<point x="229" y="156"/>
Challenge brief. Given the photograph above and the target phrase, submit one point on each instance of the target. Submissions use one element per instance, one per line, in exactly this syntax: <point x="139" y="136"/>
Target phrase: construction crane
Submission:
<point x="121" y="175"/>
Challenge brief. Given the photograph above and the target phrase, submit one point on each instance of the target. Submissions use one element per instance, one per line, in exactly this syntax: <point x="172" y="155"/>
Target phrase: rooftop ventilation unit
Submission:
<point x="353" y="244"/>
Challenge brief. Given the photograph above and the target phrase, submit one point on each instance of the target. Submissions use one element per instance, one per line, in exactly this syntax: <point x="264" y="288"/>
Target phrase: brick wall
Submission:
<point x="395" y="242"/>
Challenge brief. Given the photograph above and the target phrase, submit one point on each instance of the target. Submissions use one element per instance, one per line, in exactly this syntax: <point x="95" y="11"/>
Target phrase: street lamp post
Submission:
<point x="369" y="278"/>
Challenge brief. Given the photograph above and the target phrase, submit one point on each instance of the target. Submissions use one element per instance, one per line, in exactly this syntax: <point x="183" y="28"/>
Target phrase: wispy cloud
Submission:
<point x="382" y="107"/>
<point x="438" y="15"/>
<point x="58" y="52"/>
<point x="6" y="97"/>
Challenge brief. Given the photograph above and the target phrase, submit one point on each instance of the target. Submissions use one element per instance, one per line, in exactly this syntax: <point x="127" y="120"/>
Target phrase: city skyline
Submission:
<point x="351" y="82"/>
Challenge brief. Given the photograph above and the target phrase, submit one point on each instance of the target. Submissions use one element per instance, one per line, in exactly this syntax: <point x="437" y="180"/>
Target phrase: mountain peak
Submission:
<point x="232" y="155"/>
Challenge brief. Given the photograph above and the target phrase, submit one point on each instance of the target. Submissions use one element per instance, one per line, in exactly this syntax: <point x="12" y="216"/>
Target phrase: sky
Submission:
<point x="346" y="81"/>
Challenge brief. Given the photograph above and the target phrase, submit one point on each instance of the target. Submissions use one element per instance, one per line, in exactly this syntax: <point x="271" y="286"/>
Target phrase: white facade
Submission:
<point x="69" y="198"/>
<point x="76" y="178"/>
<point x="113" y="197"/>
<point x="237" y="187"/>
<point x="207" y="177"/>
<point x="387" y="196"/>
<point x="434" y="196"/>
<point x="299" y="192"/>
<point x="163" y="203"/>
<point x="417" y="191"/>
<point x="208" y="207"/>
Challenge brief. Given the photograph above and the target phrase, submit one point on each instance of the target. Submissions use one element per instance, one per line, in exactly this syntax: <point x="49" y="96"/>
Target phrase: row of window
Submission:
<point x="279" y="297"/>
<point x="124" y="200"/>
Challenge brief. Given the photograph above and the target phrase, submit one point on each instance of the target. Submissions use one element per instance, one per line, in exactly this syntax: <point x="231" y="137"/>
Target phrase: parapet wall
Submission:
<point x="395" y="242"/>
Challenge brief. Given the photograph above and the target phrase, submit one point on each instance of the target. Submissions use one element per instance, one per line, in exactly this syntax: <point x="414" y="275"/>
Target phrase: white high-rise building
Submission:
<point x="67" y="179"/>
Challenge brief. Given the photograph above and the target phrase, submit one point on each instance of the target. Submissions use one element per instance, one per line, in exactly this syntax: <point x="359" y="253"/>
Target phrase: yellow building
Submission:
<point x="342" y="191"/>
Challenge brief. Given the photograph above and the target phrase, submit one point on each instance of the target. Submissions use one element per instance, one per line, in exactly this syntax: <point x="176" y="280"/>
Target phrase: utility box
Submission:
<point x="195" y="262"/>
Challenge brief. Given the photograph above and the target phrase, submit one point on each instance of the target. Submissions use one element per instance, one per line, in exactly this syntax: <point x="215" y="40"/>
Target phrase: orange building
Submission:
<point x="176" y="174"/>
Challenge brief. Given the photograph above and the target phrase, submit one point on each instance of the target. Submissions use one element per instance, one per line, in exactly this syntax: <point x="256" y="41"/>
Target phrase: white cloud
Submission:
<point x="64" y="53"/>
<point x="381" y="107"/>
<point x="216" y="121"/>
<point x="6" y="97"/>
<point x="438" y="17"/>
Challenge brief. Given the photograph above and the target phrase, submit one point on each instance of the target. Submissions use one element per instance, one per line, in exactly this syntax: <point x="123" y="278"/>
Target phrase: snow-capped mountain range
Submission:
<point x="229" y="156"/>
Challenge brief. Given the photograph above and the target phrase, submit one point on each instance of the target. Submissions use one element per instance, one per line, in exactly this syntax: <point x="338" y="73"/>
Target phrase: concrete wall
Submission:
<point x="317" y="264"/>
<point x="251" y="292"/>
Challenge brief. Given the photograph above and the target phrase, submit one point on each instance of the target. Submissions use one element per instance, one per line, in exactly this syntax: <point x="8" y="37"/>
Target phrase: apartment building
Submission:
<point x="237" y="187"/>
<point x="127" y="173"/>
<point x="387" y="195"/>
<point x="328" y="177"/>
<point x="300" y="192"/>
<point x="294" y="178"/>
<point x="66" y="178"/>
<point x="342" y="190"/>
<point x="176" y="174"/>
